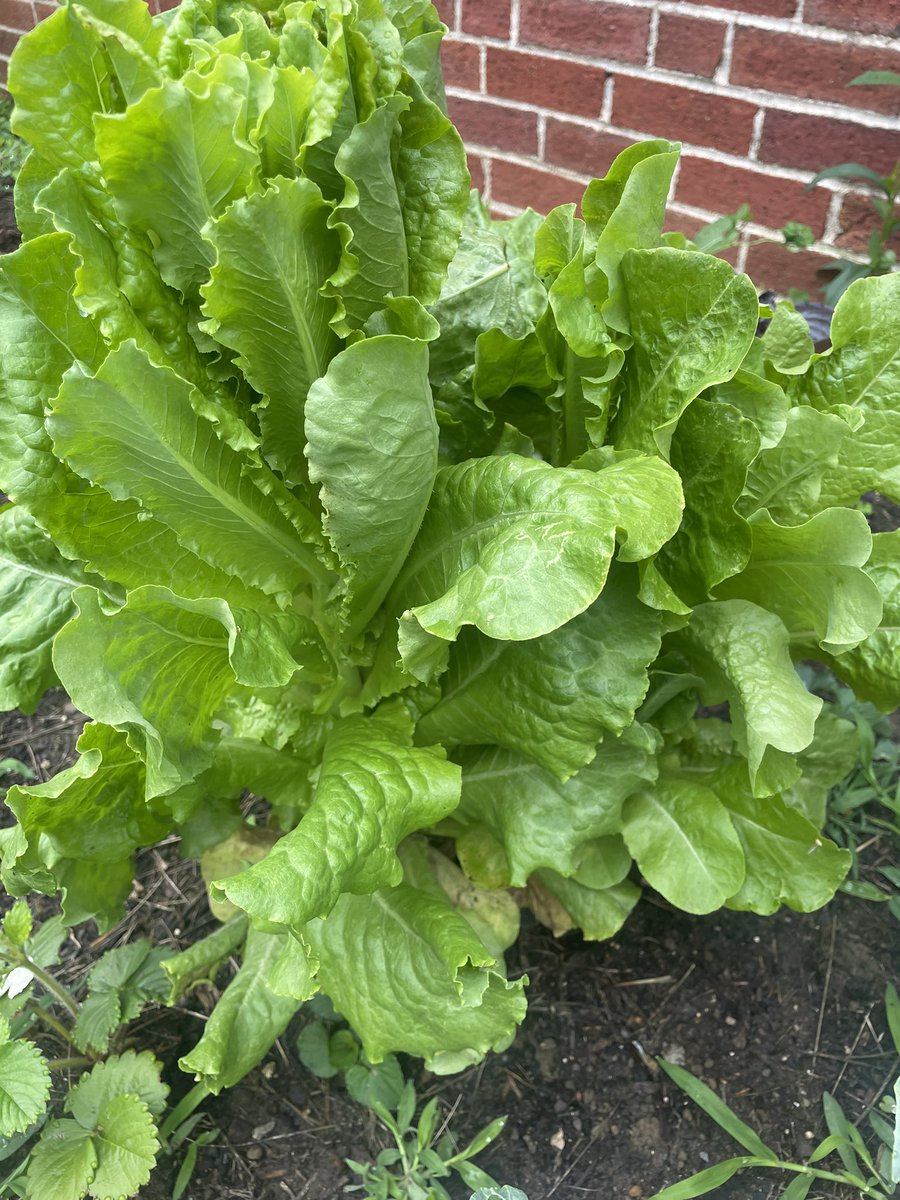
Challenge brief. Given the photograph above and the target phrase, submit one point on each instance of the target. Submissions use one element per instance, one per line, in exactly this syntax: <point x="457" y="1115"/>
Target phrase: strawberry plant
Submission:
<point x="481" y="551"/>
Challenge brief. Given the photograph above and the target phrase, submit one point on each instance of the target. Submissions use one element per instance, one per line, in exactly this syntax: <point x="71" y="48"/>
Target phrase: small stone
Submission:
<point x="636" y="1192"/>
<point x="558" y="1141"/>
<point x="255" y="1153"/>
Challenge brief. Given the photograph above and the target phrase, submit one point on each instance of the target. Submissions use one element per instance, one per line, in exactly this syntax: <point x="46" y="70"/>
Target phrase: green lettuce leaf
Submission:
<point x="692" y="320"/>
<point x="862" y="370"/>
<point x="160" y="666"/>
<point x="409" y="974"/>
<point x="246" y="1021"/>
<point x="539" y="820"/>
<point x="36" y="585"/>
<point x="373" y="447"/>
<point x="552" y="698"/>
<point x="374" y="789"/>
<point x="134" y="429"/>
<point x="811" y="575"/>
<point x="517" y="548"/>
<point x="742" y="651"/>
<point x="264" y="299"/>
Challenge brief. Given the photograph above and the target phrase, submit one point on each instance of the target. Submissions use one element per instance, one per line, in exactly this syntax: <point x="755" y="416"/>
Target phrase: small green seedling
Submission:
<point x="422" y="1153"/>
<point x="102" y="1141"/>
<point x="874" y="1176"/>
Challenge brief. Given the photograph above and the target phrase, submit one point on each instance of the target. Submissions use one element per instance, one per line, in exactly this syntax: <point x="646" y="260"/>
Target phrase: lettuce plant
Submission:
<point x="481" y="551"/>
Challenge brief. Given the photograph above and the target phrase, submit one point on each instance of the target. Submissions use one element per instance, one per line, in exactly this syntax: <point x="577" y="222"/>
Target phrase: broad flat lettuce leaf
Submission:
<point x="175" y="160"/>
<point x="872" y="669"/>
<point x="811" y="575"/>
<point x="83" y="826"/>
<point x="59" y="78"/>
<point x="36" y="585"/>
<point x="626" y="211"/>
<point x="133" y="429"/>
<point x="539" y="820"/>
<point x="264" y="299"/>
<point x="552" y="698"/>
<point x="247" y="1019"/>
<point x="160" y="667"/>
<point x="374" y="789"/>
<point x="564" y="904"/>
<point x="712" y="448"/>
<point x="685" y="843"/>
<point x="409" y="974"/>
<point x="373" y="449"/>
<point x="787" y="861"/>
<point x="862" y="370"/>
<point x="742" y="651"/>
<point x="692" y="320"/>
<point x="517" y="548"/>
<point x="787" y="343"/>
<point x="41" y="334"/>
<point x="759" y="400"/>
<point x="786" y="479"/>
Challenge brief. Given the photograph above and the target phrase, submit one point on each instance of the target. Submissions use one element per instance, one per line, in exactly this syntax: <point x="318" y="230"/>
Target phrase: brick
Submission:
<point x="690" y="226"/>
<point x="8" y="42"/>
<point x="486" y="18"/>
<point x="666" y="110"/>
<point x="763" y="8"/>
<point x="800" y="140"/>
<point x="484" y="124"/>
<point x="773" y="202"/>
<point x="446" y="12"/>
<point x="521" y="186"/>
<point x="772" y="266"/>
<point x="586" y="27"/>
<point x="857" y="219"/>
<point x="820" y="70"/>
<point x="547" y="82"/>
<point x="860" y="16"/>
<point x="43" y="9"/>
<point x="689" y="45"/>
<point x="460" y="61"/>
<point x="476" y="170"/>
<point x="4" y="68"/>
<point x="588" y="151"/>
<point x="17" y="14"/>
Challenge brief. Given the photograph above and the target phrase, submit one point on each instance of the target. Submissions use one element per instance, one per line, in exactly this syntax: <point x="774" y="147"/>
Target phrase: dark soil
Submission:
<point x="770" y="1012"/>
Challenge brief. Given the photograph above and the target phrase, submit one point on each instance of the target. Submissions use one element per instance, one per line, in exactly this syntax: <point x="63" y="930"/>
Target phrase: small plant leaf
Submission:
<point x="703" y="1182"/>
<point x="892" y="1008"/>
<point x="122" y="982"/>
<point x="63" y="1163"/>
<point x="44" y="946"/>
<point x="126" y="1145"/>
<point x="126" y="1074"/>
<point x="482" y="1140"/>
<point x="848" y="171"/>
<point x="24" y="1085"/>
<point x="407" y="1107"/>
<point x="799" y="1188"/>
<point x="427" y="1124"/>
<point x="828" y="1146"/>
<point x="493" y="1193"/>
<point x="313" y="1050"/>
<point x="719" y="1111"/>
<point x="17" y="923"/>
<point x="875" y="79"/>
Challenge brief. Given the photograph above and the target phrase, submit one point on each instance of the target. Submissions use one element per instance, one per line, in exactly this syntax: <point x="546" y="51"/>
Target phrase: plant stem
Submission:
<point x="56" y="1064"/>
<point x="53" y="986"/>
<point x="52" y="1022"/>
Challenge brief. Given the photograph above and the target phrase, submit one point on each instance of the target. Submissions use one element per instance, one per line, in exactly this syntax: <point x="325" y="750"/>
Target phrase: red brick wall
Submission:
<point x="546" y="93"/>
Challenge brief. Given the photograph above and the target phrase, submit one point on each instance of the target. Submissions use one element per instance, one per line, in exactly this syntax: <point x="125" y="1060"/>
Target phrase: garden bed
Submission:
<point x="769" y="1011"/>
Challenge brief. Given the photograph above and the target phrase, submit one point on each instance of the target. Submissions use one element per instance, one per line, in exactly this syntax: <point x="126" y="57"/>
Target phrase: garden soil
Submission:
<point x="770" y="1012"/>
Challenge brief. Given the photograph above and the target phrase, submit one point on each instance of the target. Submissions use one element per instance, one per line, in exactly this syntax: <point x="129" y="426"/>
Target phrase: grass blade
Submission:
<point x="838" y="1124"/>
<point x="892" y="1007"/>
<point x="799" y="1188"/>
<point x="719" y="1111"/>
<point x="703" y="1182"/>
